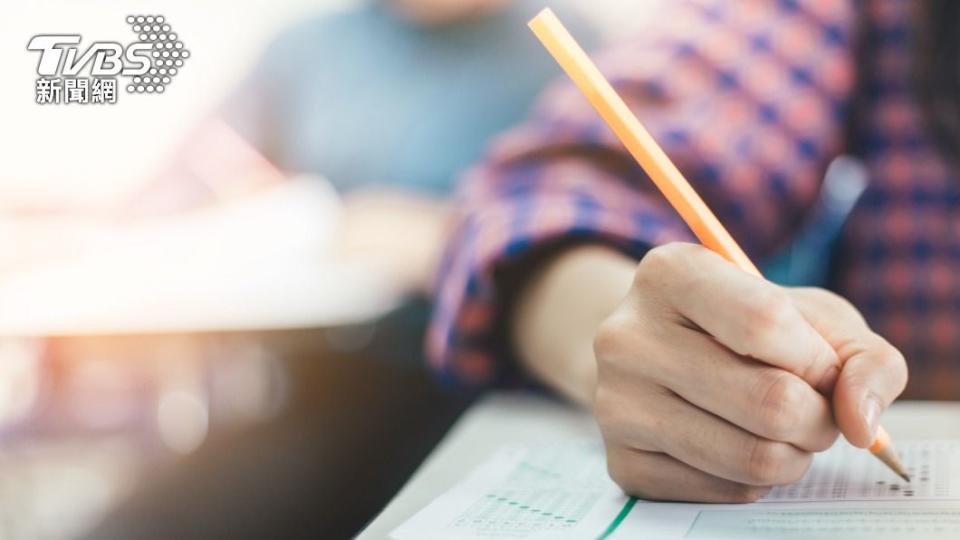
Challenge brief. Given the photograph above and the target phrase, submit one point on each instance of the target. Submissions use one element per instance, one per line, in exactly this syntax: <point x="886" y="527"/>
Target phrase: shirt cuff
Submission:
<point x="467" y="341"/>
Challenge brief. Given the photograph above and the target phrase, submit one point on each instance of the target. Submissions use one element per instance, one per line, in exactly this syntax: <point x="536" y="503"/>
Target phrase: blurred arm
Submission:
<point x="559" y="311"/>
<point x="750" y="118"/>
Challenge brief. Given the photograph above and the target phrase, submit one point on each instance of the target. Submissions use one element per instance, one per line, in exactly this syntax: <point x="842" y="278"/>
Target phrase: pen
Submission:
<point x="655" y="162"/>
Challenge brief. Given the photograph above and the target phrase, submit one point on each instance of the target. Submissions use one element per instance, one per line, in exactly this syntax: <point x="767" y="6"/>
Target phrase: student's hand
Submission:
<point x="714" y="385"/>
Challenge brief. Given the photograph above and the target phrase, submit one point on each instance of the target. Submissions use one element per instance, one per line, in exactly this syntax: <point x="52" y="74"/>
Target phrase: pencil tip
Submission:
<point x="905" y="476"/>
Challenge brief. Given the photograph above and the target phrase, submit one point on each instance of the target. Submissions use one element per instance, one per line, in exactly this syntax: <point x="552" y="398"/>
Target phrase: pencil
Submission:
<point x="655" y="162"/>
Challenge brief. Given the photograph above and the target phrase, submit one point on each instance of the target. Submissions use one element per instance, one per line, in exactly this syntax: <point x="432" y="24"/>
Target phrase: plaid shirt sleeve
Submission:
<point x="748" y="98"/>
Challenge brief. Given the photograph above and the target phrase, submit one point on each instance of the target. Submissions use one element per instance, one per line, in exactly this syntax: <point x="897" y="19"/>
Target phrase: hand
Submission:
<point x="714" y="385"/>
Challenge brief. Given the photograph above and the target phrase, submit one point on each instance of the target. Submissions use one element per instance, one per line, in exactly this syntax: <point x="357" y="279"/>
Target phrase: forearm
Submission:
<point x="559" y="310"/>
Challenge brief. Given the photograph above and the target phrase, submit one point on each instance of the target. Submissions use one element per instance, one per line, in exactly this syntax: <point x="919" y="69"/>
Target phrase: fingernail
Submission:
<point x="871" y="408"/>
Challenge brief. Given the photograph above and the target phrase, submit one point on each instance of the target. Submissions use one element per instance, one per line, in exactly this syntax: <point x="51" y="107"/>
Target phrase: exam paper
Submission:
<point x="848" y="473"/>
<point x="563" y="491"/>
<point x="558" y="490"/>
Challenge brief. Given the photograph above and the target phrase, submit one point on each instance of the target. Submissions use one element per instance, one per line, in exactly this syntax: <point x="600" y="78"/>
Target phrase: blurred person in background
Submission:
<point x="389" y="101"/>
<point x="570" y="269"/>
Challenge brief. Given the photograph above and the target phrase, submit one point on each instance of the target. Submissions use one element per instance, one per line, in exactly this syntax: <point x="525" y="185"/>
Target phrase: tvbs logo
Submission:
<point x="148" y="64"/>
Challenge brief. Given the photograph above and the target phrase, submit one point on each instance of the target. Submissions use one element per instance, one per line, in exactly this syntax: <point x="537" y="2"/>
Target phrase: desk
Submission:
<point x="504" y="418"/>
<point x="262" y="262"/>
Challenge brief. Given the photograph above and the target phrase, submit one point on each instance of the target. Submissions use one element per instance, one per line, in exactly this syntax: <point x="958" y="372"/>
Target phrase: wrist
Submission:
<point x="558" y="311"/>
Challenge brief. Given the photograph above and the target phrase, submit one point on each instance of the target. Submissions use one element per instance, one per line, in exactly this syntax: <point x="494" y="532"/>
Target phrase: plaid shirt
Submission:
<point x="752" y="100"/>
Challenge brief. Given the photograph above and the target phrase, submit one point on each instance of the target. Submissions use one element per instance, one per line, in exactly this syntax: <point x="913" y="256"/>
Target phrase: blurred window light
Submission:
<point x="19" y="378"/>
<point x="74" y="497"/>
<point x="55" y="490"/>
<point x="247" y="385"/>
<point x="102" y="393"/>
<point x="182" y="420"/>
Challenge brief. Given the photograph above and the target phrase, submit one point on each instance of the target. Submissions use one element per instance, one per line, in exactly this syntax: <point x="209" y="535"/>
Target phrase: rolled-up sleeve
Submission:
<point x="750" y="99"/>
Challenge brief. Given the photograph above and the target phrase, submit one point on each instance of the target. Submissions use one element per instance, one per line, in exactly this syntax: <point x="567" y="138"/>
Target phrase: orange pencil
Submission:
<point x="659" y="167"/>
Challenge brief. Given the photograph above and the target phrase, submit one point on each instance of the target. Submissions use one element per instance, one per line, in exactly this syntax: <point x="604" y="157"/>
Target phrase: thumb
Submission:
<point x="869" y="381"/>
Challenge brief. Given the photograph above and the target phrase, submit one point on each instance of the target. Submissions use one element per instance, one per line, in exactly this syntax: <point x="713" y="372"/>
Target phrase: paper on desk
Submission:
<point x="562" y="490"/>
<point x="524" y="492"/>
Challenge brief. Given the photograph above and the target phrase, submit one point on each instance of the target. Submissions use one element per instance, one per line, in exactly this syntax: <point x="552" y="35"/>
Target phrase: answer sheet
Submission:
<point x="563" y="491"/>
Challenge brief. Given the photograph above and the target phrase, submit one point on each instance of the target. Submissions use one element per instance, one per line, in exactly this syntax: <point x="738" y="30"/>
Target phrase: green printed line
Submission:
<point x="619" y="519"/>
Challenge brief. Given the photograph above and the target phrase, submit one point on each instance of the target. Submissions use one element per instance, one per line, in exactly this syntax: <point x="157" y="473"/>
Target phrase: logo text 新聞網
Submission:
<point x="73" y="72"/>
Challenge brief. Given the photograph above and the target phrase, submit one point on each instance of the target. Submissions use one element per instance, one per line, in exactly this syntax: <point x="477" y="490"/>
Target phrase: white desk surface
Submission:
<point x="259" y="263"/>
<point x="504" y="418"/>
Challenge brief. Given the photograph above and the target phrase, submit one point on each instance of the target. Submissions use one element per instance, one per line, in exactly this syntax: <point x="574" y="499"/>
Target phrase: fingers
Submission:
<point x="874" y="373"/>
<point x="766" y="401"/>
<point x="656" y="476"/>
<point x="750" y="316"/>
<point x="705" y="442"/>
<point x="710" y="381"/>
<point x="870" y="380"/>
